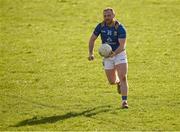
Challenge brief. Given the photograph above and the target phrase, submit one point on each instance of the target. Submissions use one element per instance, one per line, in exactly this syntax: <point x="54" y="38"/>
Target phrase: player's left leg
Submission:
<point x="121" y="65"/>
<point x="122" y="73"/>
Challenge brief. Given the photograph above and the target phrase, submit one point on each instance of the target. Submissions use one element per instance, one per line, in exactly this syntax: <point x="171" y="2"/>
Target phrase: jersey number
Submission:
<point x="109" y="32"/>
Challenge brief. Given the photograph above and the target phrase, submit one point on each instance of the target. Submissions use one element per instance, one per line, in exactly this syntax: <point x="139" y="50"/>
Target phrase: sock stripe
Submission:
<point x="124" y="97"/>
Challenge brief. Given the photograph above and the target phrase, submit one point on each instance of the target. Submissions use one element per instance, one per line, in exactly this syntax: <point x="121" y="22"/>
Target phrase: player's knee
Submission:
<point x="111" y="82"/>
<point x="123" y="77"/>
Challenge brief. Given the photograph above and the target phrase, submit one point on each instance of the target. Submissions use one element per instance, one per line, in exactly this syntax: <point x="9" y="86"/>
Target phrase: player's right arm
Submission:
<point x="92" y="41"/>
<point x="91" y="47"/>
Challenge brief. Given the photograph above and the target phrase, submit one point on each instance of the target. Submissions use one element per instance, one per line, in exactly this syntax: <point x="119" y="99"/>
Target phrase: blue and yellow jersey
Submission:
<point x="111" y="34"/>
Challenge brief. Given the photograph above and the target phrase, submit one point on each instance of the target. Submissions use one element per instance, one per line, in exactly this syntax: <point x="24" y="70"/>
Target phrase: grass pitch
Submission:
<point x="47" y="83"/>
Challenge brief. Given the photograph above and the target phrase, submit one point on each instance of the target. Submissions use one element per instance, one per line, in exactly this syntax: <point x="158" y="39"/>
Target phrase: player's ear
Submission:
<point x="113" y="15"/>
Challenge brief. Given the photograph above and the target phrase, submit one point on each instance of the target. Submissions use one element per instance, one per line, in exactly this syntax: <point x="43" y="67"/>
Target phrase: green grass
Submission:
<point x="47" y="83"/>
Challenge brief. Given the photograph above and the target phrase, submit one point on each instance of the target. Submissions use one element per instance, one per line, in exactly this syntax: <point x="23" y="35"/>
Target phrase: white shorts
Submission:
<point x="110" y="62"/>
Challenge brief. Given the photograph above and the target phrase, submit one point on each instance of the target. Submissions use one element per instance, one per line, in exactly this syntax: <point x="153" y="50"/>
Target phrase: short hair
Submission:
<point x="109" y="9"/>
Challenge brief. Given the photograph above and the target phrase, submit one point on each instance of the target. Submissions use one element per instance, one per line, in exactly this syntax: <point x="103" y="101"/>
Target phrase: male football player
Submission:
<point x="113" y="33"/>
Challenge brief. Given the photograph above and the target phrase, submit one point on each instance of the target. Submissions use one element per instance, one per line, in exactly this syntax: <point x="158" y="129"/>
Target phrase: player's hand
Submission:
<point x="112" y="54"/>
<point x="91" y="57"/>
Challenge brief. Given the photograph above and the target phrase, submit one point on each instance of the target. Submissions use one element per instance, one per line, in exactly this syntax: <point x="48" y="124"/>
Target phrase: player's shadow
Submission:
<point x="55" y="118"/>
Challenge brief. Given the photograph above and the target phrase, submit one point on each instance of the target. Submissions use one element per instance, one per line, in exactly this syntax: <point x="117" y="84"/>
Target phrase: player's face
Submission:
<point x="108" y="16"/>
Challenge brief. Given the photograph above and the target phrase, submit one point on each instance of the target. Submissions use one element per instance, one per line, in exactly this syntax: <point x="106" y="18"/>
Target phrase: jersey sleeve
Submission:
<point x="121" y="32"/>
<point x="97" y="30"/>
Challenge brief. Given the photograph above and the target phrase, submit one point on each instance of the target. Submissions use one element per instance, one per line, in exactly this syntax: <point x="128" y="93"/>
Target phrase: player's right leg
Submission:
<point x="113" y="78"/>
<point x="111" y="73"/>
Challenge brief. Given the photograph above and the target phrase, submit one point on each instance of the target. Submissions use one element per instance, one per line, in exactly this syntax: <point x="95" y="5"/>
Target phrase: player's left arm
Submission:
<point x="122" y="46"/>
<point x="121" y="39"/>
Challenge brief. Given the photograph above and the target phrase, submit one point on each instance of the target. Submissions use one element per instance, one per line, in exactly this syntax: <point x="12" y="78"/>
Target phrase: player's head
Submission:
<point x="108" y="14"/>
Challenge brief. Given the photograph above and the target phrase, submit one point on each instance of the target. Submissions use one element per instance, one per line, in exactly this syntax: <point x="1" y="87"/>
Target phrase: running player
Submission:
<point x="113" y="33"/>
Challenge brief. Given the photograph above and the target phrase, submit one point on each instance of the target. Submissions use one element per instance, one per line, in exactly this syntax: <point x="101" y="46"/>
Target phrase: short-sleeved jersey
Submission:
<point x="111" y="34"/>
